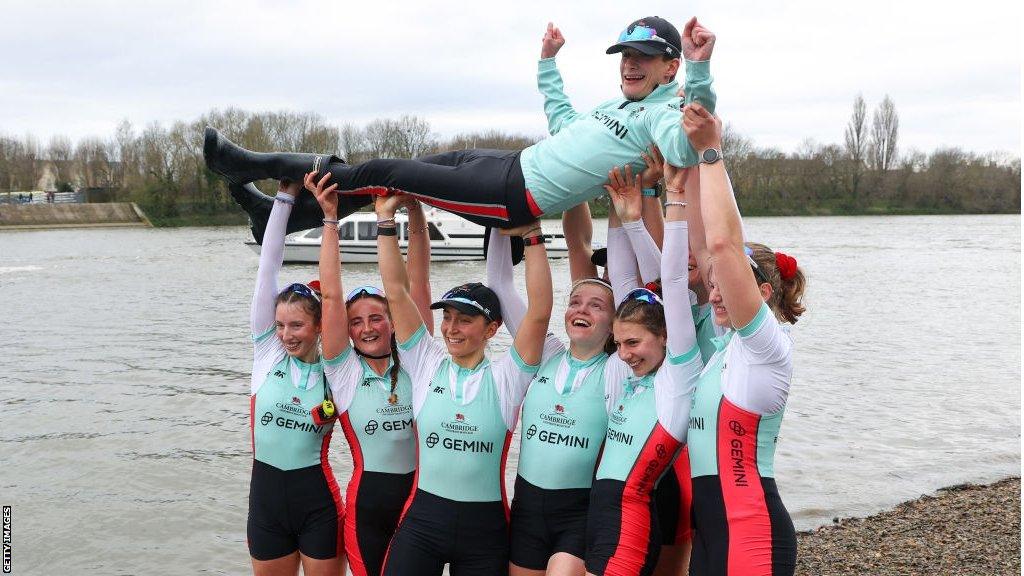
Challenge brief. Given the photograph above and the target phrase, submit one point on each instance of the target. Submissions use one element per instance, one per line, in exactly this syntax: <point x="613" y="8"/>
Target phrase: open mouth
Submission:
<point x="455" y="341"/>
<point x="369" y="339"/>
<point x="581" y="323"/>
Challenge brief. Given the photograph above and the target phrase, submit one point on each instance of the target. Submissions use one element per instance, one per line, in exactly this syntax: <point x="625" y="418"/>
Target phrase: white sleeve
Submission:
<point x="682" y="334"/>
<point x="261" y="314"/>
<point x="766" y="350"/>
<point x="344" y="373"/>
<point x="674" y="385"/>
<point x="615" y="373"/>
<point x="621" y="264"/>
<point x="512" y="377"/>
<point x="421" y="356"/>
<point x="677" y="378"/>
<point x="501" y="280"/>
<point x="267" y="352"/>
<point x="648" y="256"/>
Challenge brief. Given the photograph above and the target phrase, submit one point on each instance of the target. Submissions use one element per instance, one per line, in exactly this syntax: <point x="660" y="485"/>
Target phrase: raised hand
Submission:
<point x="653" y="172"/>
<point x="624" y="189"/>
<point x="675" y="179"/>
<point x="386" y="206"/>
<point x="326" y="196"/>
<point x="552" y="42"/>
<point x="698" y="41"/>
<point x="703" y="128"/>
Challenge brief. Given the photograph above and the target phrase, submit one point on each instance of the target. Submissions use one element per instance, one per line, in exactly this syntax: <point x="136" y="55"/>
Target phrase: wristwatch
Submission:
<point x="710" y="156"/>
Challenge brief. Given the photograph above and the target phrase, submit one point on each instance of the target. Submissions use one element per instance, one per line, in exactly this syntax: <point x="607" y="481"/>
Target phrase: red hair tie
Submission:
<point x="315" y="285"/>
<point x="654" y="286"/>
<point x="786" y="265"/>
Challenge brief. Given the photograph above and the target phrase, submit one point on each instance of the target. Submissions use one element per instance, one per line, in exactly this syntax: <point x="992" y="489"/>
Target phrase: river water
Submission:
<point x="124" y="439"/>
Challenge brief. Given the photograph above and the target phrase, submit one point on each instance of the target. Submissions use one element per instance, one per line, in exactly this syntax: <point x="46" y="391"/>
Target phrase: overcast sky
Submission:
<point x="784" y="71"/>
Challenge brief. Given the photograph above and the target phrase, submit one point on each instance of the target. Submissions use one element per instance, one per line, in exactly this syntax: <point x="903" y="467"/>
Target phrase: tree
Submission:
<point x="58" y="152"/>
<point x="885" y="128"/>
<point x="856" y="142"/>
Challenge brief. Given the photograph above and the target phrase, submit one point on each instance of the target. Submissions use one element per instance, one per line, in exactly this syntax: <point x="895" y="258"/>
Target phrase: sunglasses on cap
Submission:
<point x="361" y="291"/>
<point x="644" y="295"/>
<point x="758" y="273"/>
<point x="640" y="34"/>
<point x="302" y="290"/>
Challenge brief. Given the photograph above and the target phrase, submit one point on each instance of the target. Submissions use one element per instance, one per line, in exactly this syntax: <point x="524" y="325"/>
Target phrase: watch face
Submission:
<point x="710" y="155"/>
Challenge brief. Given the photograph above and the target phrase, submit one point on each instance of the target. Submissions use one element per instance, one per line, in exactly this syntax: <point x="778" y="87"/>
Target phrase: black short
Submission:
<point x="673" y="498"/>
<point x="372" y="511"/>
<point x="470" y="536"/>
<point x="622" y="531"/>
<point x="293" y="510"/>
<point x="545" y="522"/>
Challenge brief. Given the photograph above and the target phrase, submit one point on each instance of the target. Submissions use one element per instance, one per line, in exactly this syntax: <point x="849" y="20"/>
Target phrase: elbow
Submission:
<point x="721" y="244"/>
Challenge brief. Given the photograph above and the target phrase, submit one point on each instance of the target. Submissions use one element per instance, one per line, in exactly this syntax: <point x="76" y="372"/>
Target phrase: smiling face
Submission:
<point x="638" y="347"/>
<point x="297" y="329"/>
<point x="369" y="326"/>
<point x="588" y="318"/>
<point x="465" y="334"/>
<point x="640" y="74"/>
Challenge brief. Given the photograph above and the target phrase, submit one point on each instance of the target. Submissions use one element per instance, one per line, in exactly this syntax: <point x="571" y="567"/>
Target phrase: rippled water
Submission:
<point x="124" y="441"/>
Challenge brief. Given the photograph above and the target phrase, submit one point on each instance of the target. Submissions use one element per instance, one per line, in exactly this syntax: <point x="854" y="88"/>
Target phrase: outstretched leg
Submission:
<point x="484" y="186"/>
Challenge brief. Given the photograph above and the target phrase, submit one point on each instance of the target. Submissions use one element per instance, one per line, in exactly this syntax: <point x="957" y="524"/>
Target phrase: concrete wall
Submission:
<point x="71" y="215"/>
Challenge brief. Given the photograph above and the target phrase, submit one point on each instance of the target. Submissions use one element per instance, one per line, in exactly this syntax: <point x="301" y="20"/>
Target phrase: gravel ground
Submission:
<point x="962" y="530"/>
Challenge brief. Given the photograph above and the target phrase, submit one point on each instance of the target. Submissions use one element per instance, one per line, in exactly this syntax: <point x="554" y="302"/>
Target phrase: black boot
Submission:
<point x="306" y="212"/>
<point x="240" y="166"/>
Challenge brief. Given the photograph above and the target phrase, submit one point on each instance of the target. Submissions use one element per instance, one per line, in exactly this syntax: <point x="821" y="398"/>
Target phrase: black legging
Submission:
<point x="483" y="186"/>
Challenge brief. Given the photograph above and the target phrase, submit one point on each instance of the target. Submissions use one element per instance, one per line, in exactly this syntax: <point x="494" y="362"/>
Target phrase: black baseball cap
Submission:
<point x="473" y="298"/>
<point x="652" y="35"/>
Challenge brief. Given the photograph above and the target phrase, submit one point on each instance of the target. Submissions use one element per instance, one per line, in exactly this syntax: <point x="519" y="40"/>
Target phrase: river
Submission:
<point x="124" y="434"/>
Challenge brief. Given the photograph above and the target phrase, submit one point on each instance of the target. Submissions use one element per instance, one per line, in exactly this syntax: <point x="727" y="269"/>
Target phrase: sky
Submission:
<point x="785" y="72"/>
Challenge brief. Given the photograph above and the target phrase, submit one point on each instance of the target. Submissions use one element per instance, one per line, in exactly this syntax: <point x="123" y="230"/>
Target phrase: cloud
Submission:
<point x="784" y="71"/>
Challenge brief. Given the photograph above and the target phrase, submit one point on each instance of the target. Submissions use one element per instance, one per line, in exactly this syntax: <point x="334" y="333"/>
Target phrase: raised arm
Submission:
<point x="664" y="124"/>
<point x="334" y="323"/>
<point x="557" y="108"/>
<point x="261" y="313"/>
<point x="624" y="192"/>
<point x="418" y="261"/>
<point x="404" y="313"/>
<point x="675" y="285"/>
<point x="578" y="229"/>
<point x="723" y="229"/>
<point x="529" y="342"/>
<point x="500" y="278"/>
<point x="645" y="235"/>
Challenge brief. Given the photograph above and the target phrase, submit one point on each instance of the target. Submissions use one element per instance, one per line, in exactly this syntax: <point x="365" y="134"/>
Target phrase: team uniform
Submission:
<point x="464" y="418"/>
<point x="565" y="417"/>
<point x="378" y="426"/>
<point x="294" y="501"/>
<point x="645" y="431"/>
<point x="742" y="526"/>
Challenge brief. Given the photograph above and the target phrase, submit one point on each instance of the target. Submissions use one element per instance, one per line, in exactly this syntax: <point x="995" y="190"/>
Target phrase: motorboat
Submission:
<point x="452" y="238"/>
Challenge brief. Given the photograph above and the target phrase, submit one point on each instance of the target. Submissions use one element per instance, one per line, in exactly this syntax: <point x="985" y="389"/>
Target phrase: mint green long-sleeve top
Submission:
<point x="572" y="165"/>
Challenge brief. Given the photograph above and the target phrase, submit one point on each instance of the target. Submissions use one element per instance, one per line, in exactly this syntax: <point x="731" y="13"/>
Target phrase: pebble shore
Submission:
<point x="963" y="530"/>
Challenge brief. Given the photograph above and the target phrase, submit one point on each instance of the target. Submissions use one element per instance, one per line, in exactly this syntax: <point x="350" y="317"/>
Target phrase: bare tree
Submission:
<point x="58" y="152"/>
<point x="856" y="142"/>
<point x="885" y="126"/>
